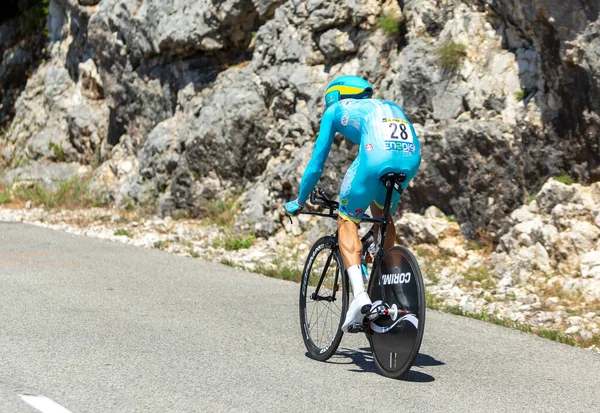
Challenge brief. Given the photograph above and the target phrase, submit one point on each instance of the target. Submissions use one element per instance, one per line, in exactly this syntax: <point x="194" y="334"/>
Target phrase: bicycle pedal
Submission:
<point x="356" y="328"/>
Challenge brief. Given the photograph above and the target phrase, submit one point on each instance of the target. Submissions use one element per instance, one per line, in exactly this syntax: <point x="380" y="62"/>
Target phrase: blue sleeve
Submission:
<point x="319" y="156"/>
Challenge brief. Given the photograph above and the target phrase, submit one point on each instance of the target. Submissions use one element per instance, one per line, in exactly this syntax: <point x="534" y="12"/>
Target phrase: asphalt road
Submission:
<point x="104" y="327"/>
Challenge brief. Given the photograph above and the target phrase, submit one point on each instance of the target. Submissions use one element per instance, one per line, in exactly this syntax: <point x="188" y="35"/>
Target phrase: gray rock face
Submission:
<point x="20" y="52"/>
<point x="147" y="52"/>
<point x="213" y="98"/>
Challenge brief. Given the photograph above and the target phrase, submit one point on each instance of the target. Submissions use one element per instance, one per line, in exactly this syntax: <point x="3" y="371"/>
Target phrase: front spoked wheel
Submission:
<point x="323" y="299"/>
<point x="396" y="339"/>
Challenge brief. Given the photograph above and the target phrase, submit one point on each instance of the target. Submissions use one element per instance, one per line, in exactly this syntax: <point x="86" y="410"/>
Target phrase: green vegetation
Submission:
<point x="281" y="271"/>
<point x="234" y="243"/>
<point x="522" y="94"/>
<point x="58" y="151"/>
<point x="222" y="212"/>
<point x="4" y="195"/>
<point x="480" y="275"/>
<point x="123" y="231"/>
<point x="565" y="179"/>
<point x="35" y="16"/>
<point x="450" y="55"/>
<point x="68" y="194"/>
<point x="389" y="23"/>
<point x="554" y="335"/>
<point x="228" y="262"/>
<point x="193" y="253"/>
<point x="160" y="245"/>
<point x="180" y="214"/>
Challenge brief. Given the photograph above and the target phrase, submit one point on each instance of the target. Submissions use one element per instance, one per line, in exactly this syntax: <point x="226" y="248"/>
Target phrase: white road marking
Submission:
<point x="43" y="404"/>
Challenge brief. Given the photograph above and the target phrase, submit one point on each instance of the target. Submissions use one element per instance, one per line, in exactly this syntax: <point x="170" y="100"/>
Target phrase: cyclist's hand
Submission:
<point x="293" y="208"/>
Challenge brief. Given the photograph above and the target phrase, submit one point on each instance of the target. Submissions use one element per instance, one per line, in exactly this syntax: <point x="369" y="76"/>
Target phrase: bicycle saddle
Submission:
<point x="393" y="179"/>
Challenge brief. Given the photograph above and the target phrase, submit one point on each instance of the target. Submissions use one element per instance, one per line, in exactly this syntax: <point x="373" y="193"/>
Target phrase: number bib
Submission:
<point x="398" y="135"/>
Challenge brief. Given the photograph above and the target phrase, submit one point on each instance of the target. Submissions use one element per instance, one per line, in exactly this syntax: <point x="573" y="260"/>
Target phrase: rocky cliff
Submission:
<point x="180" y="101"/>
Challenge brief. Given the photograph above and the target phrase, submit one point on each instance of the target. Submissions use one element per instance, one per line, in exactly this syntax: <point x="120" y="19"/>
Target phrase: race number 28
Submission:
<point x="401" y="131"/>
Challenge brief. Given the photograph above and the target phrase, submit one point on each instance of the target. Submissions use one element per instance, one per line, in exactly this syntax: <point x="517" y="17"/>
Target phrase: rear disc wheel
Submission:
<point x="396" y="342"/>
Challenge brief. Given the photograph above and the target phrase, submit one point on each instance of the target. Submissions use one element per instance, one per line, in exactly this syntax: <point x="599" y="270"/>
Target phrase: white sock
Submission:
<point x="356" y="279"/>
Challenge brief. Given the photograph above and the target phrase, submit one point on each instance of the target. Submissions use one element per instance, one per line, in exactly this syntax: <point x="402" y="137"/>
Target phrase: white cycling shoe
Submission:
<point x="354" y="317"/>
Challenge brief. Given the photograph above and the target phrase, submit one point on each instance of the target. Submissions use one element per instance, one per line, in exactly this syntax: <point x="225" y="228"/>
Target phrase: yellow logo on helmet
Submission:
<point x="346" y="90"/>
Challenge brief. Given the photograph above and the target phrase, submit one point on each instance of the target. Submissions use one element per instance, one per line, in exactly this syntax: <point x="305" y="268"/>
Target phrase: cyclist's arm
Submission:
<point x="319" y="156"/>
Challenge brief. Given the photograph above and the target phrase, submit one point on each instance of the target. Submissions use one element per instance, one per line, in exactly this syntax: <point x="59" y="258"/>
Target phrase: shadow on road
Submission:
<point x="424" y="360"/>
<point x="363" y="359"/>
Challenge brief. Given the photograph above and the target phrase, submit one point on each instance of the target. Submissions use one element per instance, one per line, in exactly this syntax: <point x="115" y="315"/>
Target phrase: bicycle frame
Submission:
<point x="317" y="297"/>
<point x="391" y="183"/>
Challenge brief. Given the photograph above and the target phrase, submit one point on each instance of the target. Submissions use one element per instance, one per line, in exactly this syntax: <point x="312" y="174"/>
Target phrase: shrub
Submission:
<point x="35" y="16"/>
<point x="389" y="23"/>
<point x="450" y="55"/>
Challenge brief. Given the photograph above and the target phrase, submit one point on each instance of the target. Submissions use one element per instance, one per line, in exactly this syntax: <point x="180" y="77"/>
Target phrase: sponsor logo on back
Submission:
<point x="399" y="146"/>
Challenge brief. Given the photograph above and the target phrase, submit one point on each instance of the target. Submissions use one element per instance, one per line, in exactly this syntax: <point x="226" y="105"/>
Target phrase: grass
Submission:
<point x="233" y="243"/>
<point x="57" y="151"/>
<point x="389" y="23"/>
<point x="522" y="94"/>
<point x="228" y="262"/>
<point x="160" y="244"/>
<point x="450" y="55"/>
<point x="434" y="303"/>
<point x="481" y="276"/>
<point x="222" y="212"/>
<point x="553" y="335"/>
<point x="281" y="271"/>
<point x="68" y="194"/>
<point x="193" y="253"/>
<point x="179" y="214"/>
<point x="565" y="179"/>
<point x="4" y="195"/>
<point x="123" y="232"/>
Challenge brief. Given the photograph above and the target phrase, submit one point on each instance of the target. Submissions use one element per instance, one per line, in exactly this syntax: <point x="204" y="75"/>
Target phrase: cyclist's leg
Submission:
<point x="349" y="241"/>
<point x="377" y="212"/>
<point x="355" y="196"/>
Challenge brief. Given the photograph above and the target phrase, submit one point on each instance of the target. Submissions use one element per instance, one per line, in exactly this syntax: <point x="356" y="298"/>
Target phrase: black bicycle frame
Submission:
<point x="314" y="295"/>
<point x="391" y="183"/>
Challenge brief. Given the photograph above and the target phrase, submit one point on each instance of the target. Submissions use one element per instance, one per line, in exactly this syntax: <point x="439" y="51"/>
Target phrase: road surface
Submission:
<point x="93" y="326"/>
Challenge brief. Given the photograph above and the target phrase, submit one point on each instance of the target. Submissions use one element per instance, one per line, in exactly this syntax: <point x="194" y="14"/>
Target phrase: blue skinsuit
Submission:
<point x="388" y="143"/>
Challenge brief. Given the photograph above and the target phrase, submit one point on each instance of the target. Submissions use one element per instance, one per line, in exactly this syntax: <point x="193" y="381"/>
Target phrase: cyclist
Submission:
<point x="387" y="143"/>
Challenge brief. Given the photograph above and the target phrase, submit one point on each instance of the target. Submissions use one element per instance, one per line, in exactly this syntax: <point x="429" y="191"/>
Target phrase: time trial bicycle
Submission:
<point x="394" y="323"/>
